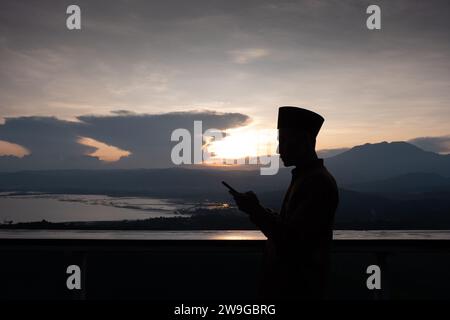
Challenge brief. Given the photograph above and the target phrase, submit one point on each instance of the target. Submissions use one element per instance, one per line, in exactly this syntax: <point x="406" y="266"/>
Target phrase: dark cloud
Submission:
<point x="123" y="112"/>
<point x="435" y="144"/>
<point x="53" y="142"/>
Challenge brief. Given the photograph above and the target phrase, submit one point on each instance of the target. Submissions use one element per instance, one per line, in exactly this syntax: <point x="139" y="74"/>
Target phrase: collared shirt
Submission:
<point x="316" y="163"/>
<point x="297" y="173"/>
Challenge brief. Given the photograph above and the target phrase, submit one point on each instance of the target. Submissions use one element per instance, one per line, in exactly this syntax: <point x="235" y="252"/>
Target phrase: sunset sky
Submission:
<point x="136" y="64"/>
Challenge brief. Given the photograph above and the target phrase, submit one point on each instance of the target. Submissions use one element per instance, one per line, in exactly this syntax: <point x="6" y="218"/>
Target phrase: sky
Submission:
<point x="134" y="64"/>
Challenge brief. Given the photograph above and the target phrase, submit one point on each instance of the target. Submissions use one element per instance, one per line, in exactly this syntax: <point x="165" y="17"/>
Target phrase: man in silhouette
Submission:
<point x="297" y="254"/>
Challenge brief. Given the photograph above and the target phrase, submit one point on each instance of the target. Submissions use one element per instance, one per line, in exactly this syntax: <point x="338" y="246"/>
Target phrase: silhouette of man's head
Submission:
<point x="297" y="132"/>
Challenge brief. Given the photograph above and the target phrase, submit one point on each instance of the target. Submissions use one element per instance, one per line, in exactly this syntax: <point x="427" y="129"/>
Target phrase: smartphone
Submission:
<point x="229" y="187"/>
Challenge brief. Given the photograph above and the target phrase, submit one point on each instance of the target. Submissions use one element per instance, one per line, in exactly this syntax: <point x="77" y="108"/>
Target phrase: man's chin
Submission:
<point x="287" y="162"/>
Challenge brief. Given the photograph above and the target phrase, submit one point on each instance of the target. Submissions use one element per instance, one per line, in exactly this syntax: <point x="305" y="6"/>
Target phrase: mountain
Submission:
<point x="372" y="162"/>
<point x="395" y="166"/>
<point x="166" y="183"/>
<point x="406" y="183"/>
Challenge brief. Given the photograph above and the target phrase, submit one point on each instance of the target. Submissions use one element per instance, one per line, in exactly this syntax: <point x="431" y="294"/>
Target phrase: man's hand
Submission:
<point x="247" y="202"/>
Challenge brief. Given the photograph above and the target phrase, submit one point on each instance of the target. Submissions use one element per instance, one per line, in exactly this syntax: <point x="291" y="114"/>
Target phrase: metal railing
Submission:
<point x="210" y="269"/>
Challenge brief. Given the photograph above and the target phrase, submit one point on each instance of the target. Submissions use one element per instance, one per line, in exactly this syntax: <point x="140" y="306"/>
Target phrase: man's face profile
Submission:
<point x="295" y="145"/>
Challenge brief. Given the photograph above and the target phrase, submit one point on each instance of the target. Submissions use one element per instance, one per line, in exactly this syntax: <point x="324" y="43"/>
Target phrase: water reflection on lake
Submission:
<point x="64" y="208"/>
<point x="215" y="234"/>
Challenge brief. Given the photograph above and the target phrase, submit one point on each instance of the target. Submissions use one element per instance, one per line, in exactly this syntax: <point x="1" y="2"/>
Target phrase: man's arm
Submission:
<point x="309" y="221"/>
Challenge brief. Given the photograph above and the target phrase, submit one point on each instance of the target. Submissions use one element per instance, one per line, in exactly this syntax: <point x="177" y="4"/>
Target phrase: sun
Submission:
<point x="241" y="143"/>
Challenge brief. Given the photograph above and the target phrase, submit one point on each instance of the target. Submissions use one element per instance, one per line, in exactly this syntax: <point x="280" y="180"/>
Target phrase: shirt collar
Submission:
<point x="305" y="167"/>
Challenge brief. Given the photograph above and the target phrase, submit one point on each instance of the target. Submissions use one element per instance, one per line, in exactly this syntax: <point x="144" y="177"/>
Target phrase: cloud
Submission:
<point x="123" y="112"/>
<point x="51" y="141"/>
<point x="12" y="149"/>
<point x="439" y="144"/>
<point x="255" y="55"/>
<point x="248" y="55"/>
<point x="121" y="140"/>
<point x="103" y="151"/>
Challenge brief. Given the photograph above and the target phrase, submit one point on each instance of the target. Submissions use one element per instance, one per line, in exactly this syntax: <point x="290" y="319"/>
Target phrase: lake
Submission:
<point x="70" y="208"/>
<point x="66" y="207"/>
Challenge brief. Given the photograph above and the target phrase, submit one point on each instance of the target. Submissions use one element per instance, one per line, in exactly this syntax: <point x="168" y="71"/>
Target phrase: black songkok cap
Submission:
<point x="299" y="118"/>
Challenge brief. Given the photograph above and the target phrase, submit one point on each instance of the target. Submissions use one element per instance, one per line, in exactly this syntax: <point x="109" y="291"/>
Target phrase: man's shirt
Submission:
<point x="296" y="260"/>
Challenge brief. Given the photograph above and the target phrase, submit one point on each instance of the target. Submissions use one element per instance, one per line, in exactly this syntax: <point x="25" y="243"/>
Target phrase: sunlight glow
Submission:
<point x="241" y="143"/>
<point x="239" y="235"/>
<point x="12" y="149"/>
